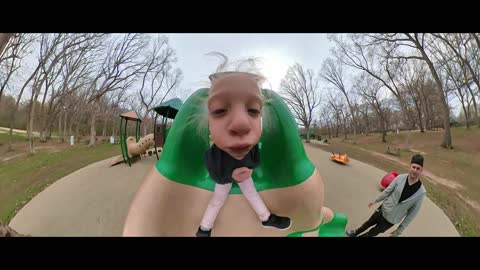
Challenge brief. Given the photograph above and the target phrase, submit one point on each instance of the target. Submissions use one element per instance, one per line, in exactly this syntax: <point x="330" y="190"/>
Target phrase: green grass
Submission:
<point x="459" y="164"/>
<point x="21" y="179"/>
<point x="4" y="138"/>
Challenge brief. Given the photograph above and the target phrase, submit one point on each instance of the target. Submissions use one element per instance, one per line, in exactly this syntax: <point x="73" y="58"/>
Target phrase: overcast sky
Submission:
<point x="277" y="53"/>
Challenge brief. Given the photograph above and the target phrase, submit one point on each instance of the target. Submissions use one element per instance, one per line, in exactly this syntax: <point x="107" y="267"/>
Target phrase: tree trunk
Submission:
<point x="419" y="114"/>
<point x="384" y="134"/>
<point x="466" y="115"/>
<point x="475" y="116"/>
<point x="406" y="112"/>
<point x="43" y="135"/>
<point x="113" y="125"/>
<point x="30" y="126"/>
<point x="77" y="129"/>
<point x="426" y="117"/>
<point x="425" y="107"/>
<point x="367" y="123"/>
<point x="44" y="118"/>
<point x="307" y="129"/>
<point x="104" y="129"/>
<point x="64" y="126"/>
<point x="337" y="125"/>
<point x="447" y="136"/>
<point x="50" y="127"/>
<point x="14" y="113"/>
<point x="60" y="124"/>
<point x="383" y="124"/>
<point x="354" y="130"/>
<point x="93" y="132"/>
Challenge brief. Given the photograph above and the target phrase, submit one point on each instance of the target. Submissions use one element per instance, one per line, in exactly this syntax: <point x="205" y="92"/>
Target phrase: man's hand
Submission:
<point x="371" y="204"/>
<point x="241" y="174"/>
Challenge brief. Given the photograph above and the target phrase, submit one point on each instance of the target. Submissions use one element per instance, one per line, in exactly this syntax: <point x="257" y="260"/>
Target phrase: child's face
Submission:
<point x="235" y="107"/>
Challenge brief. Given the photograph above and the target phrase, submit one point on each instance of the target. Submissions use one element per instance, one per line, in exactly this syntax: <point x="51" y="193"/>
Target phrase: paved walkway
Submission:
<point x="94" y="201"/>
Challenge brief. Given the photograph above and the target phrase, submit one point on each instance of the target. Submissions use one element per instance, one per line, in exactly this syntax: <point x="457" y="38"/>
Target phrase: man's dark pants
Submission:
<point x="377" y="220"/>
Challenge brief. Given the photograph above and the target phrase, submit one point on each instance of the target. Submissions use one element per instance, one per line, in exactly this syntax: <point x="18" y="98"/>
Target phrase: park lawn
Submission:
<point x="4" y="138"/>
<point x="460" y="165"/>
<point x="22" y="178"/>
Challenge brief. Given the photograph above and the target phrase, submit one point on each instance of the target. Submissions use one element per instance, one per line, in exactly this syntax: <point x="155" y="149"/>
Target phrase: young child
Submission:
<point x="235" y="124"/>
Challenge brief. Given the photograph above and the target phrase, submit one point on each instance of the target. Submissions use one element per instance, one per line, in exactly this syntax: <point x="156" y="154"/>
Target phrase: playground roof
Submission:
<point x="131" y="115"/>
<point x="169" y="108"/>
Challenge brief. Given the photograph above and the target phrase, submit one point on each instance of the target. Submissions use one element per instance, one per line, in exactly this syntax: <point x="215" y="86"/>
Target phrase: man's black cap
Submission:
<point x="417" y="159"/>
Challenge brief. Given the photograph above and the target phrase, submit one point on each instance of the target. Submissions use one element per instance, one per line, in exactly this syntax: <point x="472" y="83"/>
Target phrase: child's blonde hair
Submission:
<point x="246" y="66"/>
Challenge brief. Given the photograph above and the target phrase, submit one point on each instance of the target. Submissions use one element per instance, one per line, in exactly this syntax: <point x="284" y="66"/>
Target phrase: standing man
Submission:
<point x="401" y="199"/>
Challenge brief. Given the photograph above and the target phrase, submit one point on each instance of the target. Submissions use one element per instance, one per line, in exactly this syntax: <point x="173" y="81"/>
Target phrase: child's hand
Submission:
<point x="241" y="174"/>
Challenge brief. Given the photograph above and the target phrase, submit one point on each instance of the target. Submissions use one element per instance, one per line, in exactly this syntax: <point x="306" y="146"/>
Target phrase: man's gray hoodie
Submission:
<point x="393" y="211"/>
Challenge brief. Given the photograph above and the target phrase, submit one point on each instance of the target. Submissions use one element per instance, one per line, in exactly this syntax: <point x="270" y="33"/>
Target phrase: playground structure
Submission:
<point x="132" y="146"/>
<point x="135" y="146"/>
<point x="284" y="176"/>
<point x="168" y="110"/>
<point x="339" y="158"/>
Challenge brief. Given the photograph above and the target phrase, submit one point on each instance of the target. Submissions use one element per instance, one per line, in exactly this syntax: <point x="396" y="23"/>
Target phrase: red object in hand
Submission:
<point x="388" y="178"/>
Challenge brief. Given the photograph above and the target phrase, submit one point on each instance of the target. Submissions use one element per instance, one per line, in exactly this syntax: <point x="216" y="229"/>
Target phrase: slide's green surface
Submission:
<point x="284" y="162"/>
<point x="334" y="228"/>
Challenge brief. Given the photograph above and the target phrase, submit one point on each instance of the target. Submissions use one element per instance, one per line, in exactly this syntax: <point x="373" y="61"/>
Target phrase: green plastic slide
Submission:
<point x="334" y="228"/>
<point x="284" y="162"/>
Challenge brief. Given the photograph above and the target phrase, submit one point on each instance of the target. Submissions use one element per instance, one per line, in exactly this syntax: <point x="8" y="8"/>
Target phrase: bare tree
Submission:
<point x="70" y="75"/>
<point x="369" y="89"/>
<point x="159" y="78"/>
<point x="337" y="108"/>
<point x="19" y="97"/>
<point x="12" y="54"/>
<point x="332" y="72"/>
<point x="300" y="91"/>
<point x="417" y="46"/>
<point x="364" y="111"/>
<point x="411" y="79"/>
<point x="48" y="57"/>
<point x="118" y="70"/>
<point x="326" y="120"/>
<point x="374" y="59"/>
<point x="54" y="49"/>
<point x="457" y="82"/>
<point x="462" y="46"/>
<point x="11" y="57"/>
<point x="4" y="38"/>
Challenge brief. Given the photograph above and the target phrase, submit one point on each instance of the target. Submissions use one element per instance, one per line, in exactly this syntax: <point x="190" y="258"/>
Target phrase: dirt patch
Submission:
<point x="439" y="180"/>
<point x="463" y="210"/>
<point x="14" y="156"/>
<point x="417" y="151"/>
<point x="472" y="203"/>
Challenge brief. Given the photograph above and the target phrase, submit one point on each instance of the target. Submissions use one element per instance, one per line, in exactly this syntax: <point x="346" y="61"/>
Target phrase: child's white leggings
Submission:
<point x="220" y="195"/>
